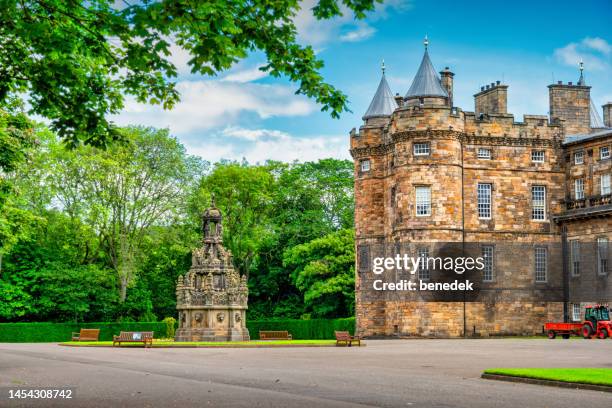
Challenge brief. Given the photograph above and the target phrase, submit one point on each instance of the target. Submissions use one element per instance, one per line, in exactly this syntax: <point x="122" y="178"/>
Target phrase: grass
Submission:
<point x="596" y="376"/>
<point x="245" y="344"/>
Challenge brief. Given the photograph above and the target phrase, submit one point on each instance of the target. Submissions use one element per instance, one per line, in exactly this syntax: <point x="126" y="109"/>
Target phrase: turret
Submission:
<point x="426" y="87"/>
<point x="383" y="103"/>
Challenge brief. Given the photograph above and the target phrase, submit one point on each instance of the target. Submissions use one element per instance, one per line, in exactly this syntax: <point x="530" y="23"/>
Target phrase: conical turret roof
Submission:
<point x="383" y="104"/>
<point x="426" y="81"/>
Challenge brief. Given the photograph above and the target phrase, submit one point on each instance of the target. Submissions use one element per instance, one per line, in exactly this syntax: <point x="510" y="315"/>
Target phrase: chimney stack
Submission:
<point x="607" y="114"/>
<point x="572" y="104"/>
<point x="492" y="98"/>
<point x="446" y="78"/>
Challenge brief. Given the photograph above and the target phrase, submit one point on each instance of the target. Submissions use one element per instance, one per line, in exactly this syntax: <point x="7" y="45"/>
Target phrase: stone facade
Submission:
<point x="466" y="149"/>
<point x="211" y="298"/>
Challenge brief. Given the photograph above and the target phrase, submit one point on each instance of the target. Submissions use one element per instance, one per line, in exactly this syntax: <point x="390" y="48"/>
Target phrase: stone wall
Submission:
<point x="429" y="319"/>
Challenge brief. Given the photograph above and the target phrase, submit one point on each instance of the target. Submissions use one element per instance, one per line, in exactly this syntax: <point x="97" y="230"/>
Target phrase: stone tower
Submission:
<point x="211" y="298"/>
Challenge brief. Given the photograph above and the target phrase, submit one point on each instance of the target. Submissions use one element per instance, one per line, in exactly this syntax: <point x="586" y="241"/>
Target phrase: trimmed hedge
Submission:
<point x="316" y="329"/>
<point x="57" y="332"/>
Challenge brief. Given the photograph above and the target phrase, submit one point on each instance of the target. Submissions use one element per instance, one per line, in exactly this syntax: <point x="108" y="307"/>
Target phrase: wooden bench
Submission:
<point x="274" y="335"/>
<point x="86" y="335"/>
<point x="134" y="337"/>
<point x="344" y="338"/>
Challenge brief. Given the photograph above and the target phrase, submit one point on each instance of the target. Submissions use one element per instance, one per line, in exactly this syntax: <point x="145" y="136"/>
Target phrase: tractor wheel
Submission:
<point x="587" y="331"/>
<point x="603" y="334"/>
<point x="565" y="336"/>
<point x="552" y="334"/>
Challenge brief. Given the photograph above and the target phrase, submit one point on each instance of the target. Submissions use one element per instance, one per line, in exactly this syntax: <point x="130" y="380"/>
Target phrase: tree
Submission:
<point x="16" y="140"/>
<point x="123" y="191"/>
<point x="76" y="60"/>
<point x="324" y="271"/>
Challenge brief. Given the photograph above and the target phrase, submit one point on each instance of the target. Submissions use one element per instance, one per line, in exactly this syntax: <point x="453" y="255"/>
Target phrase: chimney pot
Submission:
<point x="560" y="82"/>
<point x="492" y="84"/>
<point x="482" y="88"/>
<point x="569" y="83"/>
<point x="498" y="82"/>
<point x="487" y="86"/>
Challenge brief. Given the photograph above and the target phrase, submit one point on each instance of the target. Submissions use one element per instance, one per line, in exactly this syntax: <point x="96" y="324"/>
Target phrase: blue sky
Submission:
<point x="246" y="114"/>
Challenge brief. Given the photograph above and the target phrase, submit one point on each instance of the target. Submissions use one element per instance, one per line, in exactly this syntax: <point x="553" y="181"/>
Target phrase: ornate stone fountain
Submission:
<point x="211" y="298"/>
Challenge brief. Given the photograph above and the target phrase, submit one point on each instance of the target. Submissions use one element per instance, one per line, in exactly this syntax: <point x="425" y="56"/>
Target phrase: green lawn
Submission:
<point x="597" y="376"/>
<point x="254" y="343"/>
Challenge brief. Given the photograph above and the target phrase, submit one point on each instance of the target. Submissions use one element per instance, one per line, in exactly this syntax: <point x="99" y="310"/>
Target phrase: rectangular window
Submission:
<point x="576" y="315"/>
<point x="540" y="264"/>
<point x="538" y="203"/>
<point x="605" y="184"/>
<point x="365" y="165"/>
<point x="484" y="201"/>
<point x="602" y="256"/>
<point x="423" y="272"/>
<point x="423" y="201"/>
<point x="579" y="157"/>
<point x="484" y="153"/>
<point x="604" y="153"/>
<point x="487" y="255"/>
<point x="579" y="189"/>
<point x="421" y="149"/>
<point x="575" y="258"/>
<point x="537" y="156"/>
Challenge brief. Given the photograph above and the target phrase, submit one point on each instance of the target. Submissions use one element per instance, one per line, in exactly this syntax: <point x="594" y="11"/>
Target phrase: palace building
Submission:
<point x="533" y="198"/>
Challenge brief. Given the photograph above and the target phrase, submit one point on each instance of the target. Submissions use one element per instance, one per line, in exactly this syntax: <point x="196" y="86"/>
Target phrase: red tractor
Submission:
<point x="596" y="322"/>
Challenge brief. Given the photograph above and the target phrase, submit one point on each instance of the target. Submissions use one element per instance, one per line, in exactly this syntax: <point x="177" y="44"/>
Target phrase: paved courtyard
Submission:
<point x="386" y="373"/>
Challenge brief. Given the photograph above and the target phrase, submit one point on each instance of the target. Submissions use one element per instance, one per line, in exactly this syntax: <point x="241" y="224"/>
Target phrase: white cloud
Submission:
<point x="593" y="51"/>
<point x="362" y="32"/>
<point x="208" y="104"/>
<point x="245" y="75"/>
<point x="318" y="32"/>
<point x="259" y="145"/>
<point x="598" y="44"/>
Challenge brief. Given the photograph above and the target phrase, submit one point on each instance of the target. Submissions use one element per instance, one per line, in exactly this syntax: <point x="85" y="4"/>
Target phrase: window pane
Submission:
<point x="423" y="201"/>
<point x="579" y="189"/>
<point x="484" y="153"/>
<point x="604" y="153"/>
<point x="602" y="256"/>
<point x="487" y="254"/>
<point x="421" y="149"/>
<point x="578" y="157"/>
<point x="537" y="156"/>
<point x="365" y="165"/>
<point x="484" y="200"/>
<point x="423" y="272"/>
<point x="538" y="203"/>
<point x="575" y="258"/>
<point x="540" y="264"/>
<point x="576" y="315"/>
<point x="605" y="184"/>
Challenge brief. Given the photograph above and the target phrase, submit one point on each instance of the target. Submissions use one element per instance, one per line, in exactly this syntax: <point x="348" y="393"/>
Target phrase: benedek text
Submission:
<point x="423" y="286"/>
